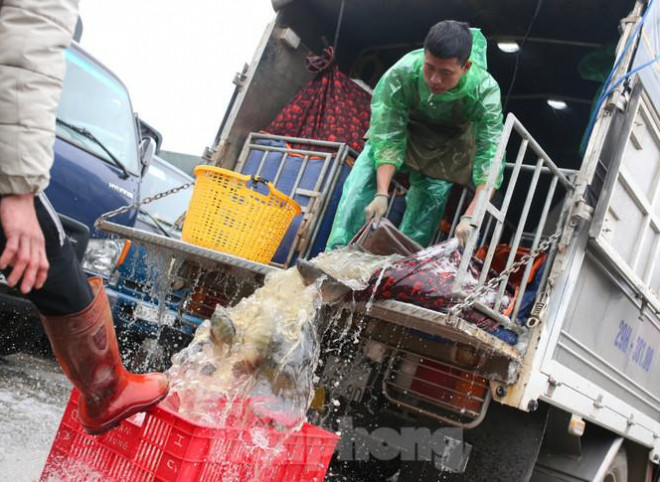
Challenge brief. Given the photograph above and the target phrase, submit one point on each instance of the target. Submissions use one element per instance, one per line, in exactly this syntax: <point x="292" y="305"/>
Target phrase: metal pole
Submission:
<point x="302" y="152"/>
<point x="280" y="168"/>
<point x="480" y="209"/>
<point x="330" y="184"/>
<point x="544" y="170"/>
<point x="537" y="239"/>
<point x="262" y="162"/>
<point x="242" y="157"/>
<point x="340" y="20"/>
<point x="539" y="150"/>
<point x="521" y="226"/>
<point x="505" y="208"/>
<point x="299" y="140"/>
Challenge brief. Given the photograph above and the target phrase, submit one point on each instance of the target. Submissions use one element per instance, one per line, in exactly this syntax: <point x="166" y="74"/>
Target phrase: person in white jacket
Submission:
<point x="36" y="255"/>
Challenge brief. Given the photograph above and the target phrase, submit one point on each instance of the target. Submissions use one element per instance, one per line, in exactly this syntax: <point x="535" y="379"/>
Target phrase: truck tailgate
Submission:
<point x="502" y="361"/>
<point x="412" y="323"/>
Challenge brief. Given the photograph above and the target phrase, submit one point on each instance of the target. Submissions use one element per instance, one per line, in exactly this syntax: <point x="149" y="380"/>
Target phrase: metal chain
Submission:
<point x="147" y="200"/>
<point x="483" y="289"/>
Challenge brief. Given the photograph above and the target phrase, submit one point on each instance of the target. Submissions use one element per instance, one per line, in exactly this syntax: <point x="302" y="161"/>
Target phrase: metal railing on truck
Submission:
<point x="523" y="202"/>
<point x="312" y="173"/>
<point x="490" y="222"/>
<point x="307" y="170"/>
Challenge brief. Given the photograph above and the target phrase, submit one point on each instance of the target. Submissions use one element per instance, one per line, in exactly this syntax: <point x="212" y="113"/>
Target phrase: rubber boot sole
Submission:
<point x="115" y="421"/>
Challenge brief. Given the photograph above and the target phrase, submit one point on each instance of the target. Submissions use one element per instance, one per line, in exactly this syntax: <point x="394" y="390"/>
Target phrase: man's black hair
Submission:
<point x="449" y="39"/>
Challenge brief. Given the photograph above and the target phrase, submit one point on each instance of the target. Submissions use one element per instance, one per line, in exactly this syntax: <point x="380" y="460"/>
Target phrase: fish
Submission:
<point x="223" y="330"/>
<point x="330" y="288"/>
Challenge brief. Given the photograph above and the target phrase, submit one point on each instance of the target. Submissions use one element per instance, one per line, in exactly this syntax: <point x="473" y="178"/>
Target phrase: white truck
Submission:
<point x="578" y="397"/>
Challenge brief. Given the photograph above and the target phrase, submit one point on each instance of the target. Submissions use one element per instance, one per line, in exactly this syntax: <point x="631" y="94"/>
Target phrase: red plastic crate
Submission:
<point x="167" y="447"/>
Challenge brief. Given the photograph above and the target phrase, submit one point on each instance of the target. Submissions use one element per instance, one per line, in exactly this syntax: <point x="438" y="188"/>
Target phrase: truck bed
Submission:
<point x="397" y="320"/>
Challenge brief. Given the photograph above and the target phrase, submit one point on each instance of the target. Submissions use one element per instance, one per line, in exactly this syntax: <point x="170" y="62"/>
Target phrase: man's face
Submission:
<point x="442" y="75"/>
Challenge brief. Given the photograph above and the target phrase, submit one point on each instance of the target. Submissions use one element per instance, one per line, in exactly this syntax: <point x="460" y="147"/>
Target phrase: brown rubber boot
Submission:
<point x="85" y="345"/>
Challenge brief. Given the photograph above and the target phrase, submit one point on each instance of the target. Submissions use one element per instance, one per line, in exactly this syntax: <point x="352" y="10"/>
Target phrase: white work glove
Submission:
<point x="463" y="230"/>
<point x="377" y="208"/>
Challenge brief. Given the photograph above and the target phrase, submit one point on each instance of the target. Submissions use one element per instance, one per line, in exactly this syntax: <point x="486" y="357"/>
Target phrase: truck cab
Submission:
<point x="106" y="167"/>
<point x="99" y="155"/>
<point x="99" y="161"/>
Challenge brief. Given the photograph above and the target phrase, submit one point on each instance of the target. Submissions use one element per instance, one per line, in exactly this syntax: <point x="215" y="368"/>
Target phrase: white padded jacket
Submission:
<point x="33" y="36"/>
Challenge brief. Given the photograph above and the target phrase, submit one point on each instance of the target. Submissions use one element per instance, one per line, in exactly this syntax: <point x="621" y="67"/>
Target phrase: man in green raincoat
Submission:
<point x="436" y="114"/>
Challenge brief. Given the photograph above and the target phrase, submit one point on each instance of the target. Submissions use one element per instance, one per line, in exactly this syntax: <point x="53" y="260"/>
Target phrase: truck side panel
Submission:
<point x="611" y="330"/>
<point x="610" y="340"/>
<point x="598" y="355"/>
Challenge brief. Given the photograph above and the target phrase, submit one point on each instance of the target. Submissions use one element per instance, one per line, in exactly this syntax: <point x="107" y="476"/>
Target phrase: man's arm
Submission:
<point x="384" y="175"/>
<point x="487" y="118"/>
<point x="378" y="207"/>
<point x="481" y="188"/>
<point x="390" y="106"/>
<point x="488" y="125"/>
<point x="33" y="36"/>
<point x="388" y="130"/>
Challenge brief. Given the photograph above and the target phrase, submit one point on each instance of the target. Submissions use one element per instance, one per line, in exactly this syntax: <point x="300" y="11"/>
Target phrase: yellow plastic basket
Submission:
<point x="227" y="214"/>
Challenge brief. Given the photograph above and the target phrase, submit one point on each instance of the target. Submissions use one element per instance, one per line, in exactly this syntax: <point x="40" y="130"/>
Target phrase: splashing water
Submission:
<point x="253" y="364"/>
<point x="352" y="267"/>
<point x="160" y="266"/>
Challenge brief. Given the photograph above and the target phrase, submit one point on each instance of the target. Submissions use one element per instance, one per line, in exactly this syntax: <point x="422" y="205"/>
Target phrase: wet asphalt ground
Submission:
<point x="33" y="394"/>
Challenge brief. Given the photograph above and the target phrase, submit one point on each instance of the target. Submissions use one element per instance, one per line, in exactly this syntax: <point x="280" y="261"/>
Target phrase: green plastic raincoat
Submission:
<point x="439" y="139"/>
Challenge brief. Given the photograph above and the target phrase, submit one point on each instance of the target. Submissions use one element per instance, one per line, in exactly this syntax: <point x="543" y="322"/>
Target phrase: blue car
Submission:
<point x="100" y="157"/>
<point x="132" y="288"/>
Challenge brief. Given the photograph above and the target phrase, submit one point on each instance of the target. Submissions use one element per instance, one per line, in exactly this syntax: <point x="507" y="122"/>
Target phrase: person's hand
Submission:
<point x="25" y="249"/>
<point x="377" y="208"/>
<point x="463" y="231"/>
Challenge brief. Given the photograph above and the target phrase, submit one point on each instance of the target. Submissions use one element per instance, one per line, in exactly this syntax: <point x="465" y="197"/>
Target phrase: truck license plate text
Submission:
<point x="642" y="352"/>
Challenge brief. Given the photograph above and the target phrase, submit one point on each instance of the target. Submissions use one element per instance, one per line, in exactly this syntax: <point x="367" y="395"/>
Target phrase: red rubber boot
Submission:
<point x="85" y="345"/>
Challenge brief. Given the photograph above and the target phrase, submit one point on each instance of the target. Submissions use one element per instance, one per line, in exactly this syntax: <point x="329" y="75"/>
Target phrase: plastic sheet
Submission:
<point x="257" y="359"/>
<point x="425" y="204"/>
<point x="426" y="279"/>
<point x="402" y="89"/>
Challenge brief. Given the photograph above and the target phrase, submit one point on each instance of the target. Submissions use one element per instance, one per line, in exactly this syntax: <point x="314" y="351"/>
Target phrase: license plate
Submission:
<point x="351" y="380"/>
<point x="150" y="313"/>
